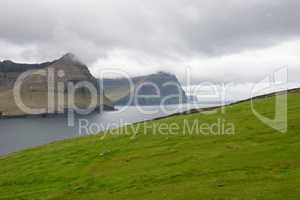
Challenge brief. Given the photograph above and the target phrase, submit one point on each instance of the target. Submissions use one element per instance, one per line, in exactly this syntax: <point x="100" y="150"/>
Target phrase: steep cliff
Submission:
<point x="155" y="89"/>
<point x="48" y="79"/>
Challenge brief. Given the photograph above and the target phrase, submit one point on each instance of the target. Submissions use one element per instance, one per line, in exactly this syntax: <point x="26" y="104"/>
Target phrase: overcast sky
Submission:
<point x="217" y="40"/>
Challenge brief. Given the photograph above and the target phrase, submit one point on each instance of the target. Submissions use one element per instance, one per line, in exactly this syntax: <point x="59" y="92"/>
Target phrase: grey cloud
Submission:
<point x="150" y="32"/>
<point x="170" y="28"/>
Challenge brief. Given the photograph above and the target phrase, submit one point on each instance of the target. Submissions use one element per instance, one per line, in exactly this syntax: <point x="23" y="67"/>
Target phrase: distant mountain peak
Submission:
<point x="70" y="58"/>
<point x="164" y="73"/>
<point x="8" y="62"/>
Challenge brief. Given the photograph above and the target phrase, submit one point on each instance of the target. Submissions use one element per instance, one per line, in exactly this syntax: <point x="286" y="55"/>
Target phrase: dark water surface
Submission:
<point x="17" y="134"/>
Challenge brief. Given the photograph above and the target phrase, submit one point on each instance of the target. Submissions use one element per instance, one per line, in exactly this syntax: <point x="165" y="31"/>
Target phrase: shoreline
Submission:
<point x="110" y="108"/>
<point x="49" y="115"/>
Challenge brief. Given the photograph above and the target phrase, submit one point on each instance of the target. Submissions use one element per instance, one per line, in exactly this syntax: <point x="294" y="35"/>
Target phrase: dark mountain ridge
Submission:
<point x="122" y="92"/>
<point x="10" y="66"/>
<point x="35" y="88"/>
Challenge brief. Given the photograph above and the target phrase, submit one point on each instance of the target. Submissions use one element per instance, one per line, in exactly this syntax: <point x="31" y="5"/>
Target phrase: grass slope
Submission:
<point x="255" y="163"/>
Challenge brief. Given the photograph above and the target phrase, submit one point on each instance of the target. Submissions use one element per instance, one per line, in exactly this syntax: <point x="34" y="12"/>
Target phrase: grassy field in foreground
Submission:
<point x="256" y="162"/>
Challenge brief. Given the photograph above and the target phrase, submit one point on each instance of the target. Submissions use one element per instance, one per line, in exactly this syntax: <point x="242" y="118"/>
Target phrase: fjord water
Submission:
<point x="17" y="134"/>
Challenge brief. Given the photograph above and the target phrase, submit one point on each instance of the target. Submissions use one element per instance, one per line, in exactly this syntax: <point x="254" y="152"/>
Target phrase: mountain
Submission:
<point x="73" y="68"/>
<point x="154" y="89"/>
<point x="35" y="88"/>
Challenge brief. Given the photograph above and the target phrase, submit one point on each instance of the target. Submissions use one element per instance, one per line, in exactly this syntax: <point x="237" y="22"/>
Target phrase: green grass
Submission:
<point x="255" y="163"/>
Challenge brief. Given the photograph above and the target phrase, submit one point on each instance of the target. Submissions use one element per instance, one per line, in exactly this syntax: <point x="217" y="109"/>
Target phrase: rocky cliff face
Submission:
<point x="73" y="70"/>
<point x="164" y="86"/>
<point x="10" y="71"/>
<point x="35" y="87"/>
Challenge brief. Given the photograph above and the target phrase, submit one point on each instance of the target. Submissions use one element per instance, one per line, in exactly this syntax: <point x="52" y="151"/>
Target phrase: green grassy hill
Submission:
<point x="256" y="162"/>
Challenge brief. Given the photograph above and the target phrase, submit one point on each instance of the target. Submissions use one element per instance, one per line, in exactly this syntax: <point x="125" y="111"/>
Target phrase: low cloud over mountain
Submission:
<point x="134" y="34"/>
